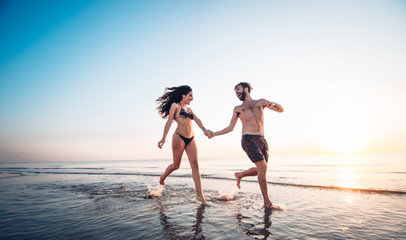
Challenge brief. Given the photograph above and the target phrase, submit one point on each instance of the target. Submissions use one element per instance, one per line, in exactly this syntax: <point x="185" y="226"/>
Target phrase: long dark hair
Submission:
<point x="171" y="95"/>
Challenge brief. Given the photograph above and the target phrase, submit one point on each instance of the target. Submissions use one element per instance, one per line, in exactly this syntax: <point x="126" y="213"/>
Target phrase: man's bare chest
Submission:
<point x="250" y="111"/>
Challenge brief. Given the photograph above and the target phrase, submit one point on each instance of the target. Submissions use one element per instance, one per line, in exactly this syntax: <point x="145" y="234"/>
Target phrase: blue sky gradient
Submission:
<point x="79" y="79"/>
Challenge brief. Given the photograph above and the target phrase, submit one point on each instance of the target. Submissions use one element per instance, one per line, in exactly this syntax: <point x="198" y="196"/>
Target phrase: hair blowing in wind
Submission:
<point x="171" y="95"/>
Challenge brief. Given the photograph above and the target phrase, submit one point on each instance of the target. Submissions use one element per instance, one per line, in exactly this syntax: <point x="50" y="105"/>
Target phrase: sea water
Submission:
<point x="323" y="197"/>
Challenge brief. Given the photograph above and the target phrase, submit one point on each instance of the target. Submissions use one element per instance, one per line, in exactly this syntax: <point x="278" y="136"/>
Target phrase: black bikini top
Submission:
<point x="186" y="114"/>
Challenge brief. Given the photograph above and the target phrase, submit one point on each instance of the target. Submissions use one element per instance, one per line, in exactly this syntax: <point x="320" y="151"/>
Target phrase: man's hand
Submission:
<point x="209" y="133"/>
<point x="271" y="105"/>
<point x="274" y="106"/>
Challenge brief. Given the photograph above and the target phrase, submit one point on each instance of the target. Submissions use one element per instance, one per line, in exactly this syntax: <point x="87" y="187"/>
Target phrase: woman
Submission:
<point x="172" y="105"/>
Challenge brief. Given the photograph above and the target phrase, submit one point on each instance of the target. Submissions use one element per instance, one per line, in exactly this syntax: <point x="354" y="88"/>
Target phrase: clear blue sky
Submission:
<point x="79" y="79"/>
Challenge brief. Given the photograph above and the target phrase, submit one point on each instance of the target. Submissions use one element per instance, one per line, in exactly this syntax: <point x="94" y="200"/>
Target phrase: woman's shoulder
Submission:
<point x="175" y="105"/>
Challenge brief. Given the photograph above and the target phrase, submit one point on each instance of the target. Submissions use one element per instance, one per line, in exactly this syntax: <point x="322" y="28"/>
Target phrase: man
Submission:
<point x="251" y="114"/>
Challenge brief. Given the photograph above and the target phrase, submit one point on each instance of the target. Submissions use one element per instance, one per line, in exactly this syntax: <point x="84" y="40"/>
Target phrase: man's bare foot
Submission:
<point x="161" y="181"/>
<point x="238" y="177"/>
<point x="268" y="204"/>
<point x="275" y="207"/>
<point x="201" y="199"/>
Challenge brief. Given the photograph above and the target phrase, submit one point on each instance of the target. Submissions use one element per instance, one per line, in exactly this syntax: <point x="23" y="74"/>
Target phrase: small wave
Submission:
<point x="9" y="175"/>
<point x="364" y="190"/>
<point x="12" y="168"/>
<point x="48" y="168"/>
<point x="79" y="168"/>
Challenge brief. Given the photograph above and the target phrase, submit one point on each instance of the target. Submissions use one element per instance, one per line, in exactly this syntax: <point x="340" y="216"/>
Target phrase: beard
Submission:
<point x="242" y="96"/>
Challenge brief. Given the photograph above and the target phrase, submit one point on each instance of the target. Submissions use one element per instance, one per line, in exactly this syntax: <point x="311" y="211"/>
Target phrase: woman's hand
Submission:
<point x="209" y="133"/>
<point x="161" y="143"/>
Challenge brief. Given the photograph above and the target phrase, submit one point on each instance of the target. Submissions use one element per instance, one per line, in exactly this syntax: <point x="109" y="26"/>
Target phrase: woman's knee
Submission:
<point x="176" y="166"/>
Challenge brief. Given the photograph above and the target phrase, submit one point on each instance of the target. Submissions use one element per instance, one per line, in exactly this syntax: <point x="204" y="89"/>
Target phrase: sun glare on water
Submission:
<point x="348" y="177"/>
<point x="347" y="171"/>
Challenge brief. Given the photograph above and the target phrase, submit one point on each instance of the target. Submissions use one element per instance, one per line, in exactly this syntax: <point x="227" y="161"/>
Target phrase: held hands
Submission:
<point x="209" y="133"/>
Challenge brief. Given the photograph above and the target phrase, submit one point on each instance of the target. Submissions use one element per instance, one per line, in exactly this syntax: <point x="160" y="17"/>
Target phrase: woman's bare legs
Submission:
<point x="191" y="151"/>
<point x="177" y="151"/>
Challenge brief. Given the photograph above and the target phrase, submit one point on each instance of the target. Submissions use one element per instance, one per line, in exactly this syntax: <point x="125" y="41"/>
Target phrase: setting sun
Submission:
<point x="345" y="142"/>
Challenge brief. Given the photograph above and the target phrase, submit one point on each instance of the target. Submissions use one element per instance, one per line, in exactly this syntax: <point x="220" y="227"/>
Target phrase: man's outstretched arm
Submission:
<point x="272" y="105"/>
<point x="230" y="127"/>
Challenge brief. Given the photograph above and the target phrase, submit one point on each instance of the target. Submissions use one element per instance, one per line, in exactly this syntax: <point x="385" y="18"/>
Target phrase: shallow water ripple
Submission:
<point x="120" y="207"/>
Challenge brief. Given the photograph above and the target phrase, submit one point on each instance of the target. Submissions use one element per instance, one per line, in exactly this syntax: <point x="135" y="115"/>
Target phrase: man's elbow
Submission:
<point x="229" y="129"/>
<point x="232" y="128"/>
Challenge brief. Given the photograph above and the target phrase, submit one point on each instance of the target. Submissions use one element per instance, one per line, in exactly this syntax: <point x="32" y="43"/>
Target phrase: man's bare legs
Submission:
<point x="261" y="169"/>
<point x="191" y="151"/>
<point x="177" y="151"/>
<point x="249" y="172"/>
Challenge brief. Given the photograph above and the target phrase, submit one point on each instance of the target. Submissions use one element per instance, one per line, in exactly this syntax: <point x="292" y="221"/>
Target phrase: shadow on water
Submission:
<point x="256" y="230"/>
<point x="181" y="220"/>
<point x="197" y="227"/>
<point x="171" y="230"/>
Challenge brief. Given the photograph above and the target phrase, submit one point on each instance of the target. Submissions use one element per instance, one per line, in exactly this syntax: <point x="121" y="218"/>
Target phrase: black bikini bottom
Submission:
<point x="185" y="139"/>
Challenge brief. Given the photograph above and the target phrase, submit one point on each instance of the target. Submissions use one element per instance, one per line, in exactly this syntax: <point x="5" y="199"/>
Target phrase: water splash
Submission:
<point x="227" y="193"/>
<point x="155" y="191"/>
<point x="278" y="207"/>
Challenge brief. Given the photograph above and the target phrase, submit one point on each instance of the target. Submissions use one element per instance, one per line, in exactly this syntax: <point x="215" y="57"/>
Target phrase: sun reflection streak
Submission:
<point x="349" y="199"/>
<point x="348" y="177"/>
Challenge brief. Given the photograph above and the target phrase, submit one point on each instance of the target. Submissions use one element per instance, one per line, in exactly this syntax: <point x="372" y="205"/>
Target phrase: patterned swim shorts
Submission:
<point x="255" y="146"/>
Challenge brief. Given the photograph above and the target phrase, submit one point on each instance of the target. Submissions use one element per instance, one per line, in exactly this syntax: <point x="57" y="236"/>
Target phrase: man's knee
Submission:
<point x="261" y="165"/>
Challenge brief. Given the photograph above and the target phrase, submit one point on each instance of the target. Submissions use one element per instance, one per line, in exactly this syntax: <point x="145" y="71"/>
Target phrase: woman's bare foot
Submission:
<point x="201" y="199"/>
<point x="161" y="181"/>
<point x="238" y="177"/>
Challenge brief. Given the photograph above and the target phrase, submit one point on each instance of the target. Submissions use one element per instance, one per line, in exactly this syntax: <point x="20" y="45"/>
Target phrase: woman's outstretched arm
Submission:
<point x="200" y="124"/>
<point x="168" y="124"/>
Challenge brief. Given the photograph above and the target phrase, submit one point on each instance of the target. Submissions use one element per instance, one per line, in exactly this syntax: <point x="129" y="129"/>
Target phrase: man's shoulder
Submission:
<point x="262" y="101"/>
<point x="238" y="107"/>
